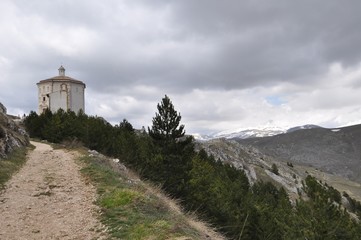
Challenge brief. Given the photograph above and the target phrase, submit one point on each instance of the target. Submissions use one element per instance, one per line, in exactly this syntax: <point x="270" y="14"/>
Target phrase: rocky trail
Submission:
<point x="48" y="199"/>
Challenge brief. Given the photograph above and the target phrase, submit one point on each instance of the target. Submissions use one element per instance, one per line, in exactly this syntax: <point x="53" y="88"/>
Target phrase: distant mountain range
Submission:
<point x="252" y="133"/>
<point x="309" y="126"/>
<point x="333" y="155"/>
<point x="336" y="150"/>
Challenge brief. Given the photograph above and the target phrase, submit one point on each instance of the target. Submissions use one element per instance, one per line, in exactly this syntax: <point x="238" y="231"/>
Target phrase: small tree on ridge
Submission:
<point x="166" y="123"/>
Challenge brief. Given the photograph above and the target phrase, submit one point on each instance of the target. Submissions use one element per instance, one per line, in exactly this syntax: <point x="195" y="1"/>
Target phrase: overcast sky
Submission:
<point x="225" y="64"/>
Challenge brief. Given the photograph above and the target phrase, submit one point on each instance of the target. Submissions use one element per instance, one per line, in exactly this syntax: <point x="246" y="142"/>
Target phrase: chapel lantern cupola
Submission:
<point x="61" y="71"/>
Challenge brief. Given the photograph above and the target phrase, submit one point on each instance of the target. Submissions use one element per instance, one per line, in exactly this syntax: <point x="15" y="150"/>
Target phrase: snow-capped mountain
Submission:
<point x="242" y="133"/>
<point x="252" y="133"/>
<point x="309" y="126"/>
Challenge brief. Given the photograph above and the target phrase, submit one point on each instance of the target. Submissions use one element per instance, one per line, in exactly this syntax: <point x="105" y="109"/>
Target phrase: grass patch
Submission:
<point x="119" y="197"/>
<point x="130" y="211"/>
<point x="11" y="164"/>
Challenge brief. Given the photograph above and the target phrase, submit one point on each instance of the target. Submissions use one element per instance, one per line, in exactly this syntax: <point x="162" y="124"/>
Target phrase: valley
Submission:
<point x="331" y="155"/>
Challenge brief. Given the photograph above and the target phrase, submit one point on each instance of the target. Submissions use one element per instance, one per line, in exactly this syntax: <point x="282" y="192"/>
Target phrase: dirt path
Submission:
<point x="48" y="199"/>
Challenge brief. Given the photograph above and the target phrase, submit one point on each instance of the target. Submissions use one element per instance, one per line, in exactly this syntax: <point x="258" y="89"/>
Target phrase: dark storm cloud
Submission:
<point x="229" y="45"/>
<point x="262" y="41"/>
<point x="250" y="43"/>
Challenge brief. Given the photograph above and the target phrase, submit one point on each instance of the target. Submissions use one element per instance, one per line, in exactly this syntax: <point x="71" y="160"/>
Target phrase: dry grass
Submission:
<point x="133" y="209"/>
<point x="192" y="220"/>
<point x="12" y="164"/>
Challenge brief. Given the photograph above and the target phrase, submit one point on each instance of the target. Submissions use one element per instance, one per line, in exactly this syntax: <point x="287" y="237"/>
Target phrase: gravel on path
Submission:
<point x="49" y="199"/>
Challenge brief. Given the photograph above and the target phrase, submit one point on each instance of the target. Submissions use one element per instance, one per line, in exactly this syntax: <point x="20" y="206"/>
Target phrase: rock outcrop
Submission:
<point x="2" y="108"/>
<point x="256" y="165"/>
<point x="12" y="135"/>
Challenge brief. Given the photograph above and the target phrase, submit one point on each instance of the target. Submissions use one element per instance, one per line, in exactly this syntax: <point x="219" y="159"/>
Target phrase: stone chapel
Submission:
<point x="61" y="92"/>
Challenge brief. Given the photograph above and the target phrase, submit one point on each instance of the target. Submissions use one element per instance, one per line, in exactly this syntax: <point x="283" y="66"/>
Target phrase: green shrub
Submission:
<point x="274" y="169"/>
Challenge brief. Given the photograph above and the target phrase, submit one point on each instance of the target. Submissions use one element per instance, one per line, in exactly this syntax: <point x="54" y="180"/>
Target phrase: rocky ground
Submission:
<point x="11" y="135"/>
<point x="48" y="199"/>
<point x="258" y="167"/>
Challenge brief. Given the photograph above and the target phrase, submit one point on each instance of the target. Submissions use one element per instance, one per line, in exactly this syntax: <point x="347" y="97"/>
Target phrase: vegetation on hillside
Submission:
<point x="130" y="208"/>
<point x="8" y="166"/>
<point x="219" y="193"/>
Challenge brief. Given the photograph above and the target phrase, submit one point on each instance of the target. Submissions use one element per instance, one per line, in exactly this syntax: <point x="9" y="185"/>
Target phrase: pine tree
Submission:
<point x="166" y="123"/>
<point x="172" y="156"/>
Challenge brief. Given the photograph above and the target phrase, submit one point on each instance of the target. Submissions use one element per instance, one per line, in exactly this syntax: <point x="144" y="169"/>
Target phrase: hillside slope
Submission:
<point x="256" y="165"/>
<point x="330" y="155"/>
<point x="134" y="209"/>
<point x="66" y="194"/>
<point x="11" y="135"/>
<point x="335" y="151"/>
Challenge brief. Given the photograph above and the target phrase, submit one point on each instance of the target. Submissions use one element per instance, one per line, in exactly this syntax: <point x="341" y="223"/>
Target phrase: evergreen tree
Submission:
<point x="166" y="123"/>
<point x="126" y="126"/>
<point x="33" y="124"/>
<point x="275" y="169"/>
<point x="172" y="157"/>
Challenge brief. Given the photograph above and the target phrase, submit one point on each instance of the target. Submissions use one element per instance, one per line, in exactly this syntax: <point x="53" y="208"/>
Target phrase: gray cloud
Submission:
<point x="141" y="50"/>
